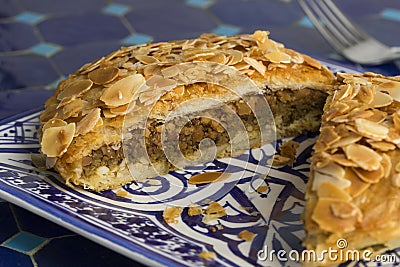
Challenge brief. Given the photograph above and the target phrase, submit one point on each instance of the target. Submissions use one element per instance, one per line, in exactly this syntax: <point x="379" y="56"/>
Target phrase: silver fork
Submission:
<point x="344" y="36"/>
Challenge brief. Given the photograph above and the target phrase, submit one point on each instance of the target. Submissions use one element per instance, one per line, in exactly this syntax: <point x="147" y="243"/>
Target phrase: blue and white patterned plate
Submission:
<point x="133" y="225"/>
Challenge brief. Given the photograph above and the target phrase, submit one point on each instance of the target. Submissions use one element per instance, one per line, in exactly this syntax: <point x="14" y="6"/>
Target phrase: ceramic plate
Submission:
<point x="130" y="220"/>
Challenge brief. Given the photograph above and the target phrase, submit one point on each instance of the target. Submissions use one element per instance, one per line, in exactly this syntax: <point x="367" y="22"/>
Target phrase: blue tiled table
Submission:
<point x="41" y="42"/>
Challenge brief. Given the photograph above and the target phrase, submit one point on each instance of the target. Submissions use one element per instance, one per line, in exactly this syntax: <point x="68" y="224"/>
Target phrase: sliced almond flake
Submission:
<point x="371" y="177"/>
<point x="393" y="136"/>
<point x="49" y="113"/>
<point x="357" y="186"/>
<point x="381" y="100"/>
<point x="73" y="109"/>
<point x="53" y="123"/>
<point x="397" y="168"/>
<point x="371" y="129"/>
<point x="363" y="156"/>
<point x="159" y="82"/>
<point x="330" y="190"/>
<point x="382" y="146"/>
<point x="341" y="119"/>
<point x="392" y="87"/>
<point x="235" y="57"/>
<point x="108" y="115"/>
<point x="123" y="110"/>
<point x="342" y="160"/>
<point x="75" y="88"/>
<point x="170" y="72"/>
<point x="332" y="169"/>
<point x="56" y="140"/>
<point x="87" y="123"/>
<point x="312" y="62"/>
<point x="122" y="91"/>
<point x="150" y="70"/>
<point x="218" y="58"/>
<point x="378" y="117"/>
<point x="396" y="179"/>
<point x="345" y="210"/>
<point x="320" y="178"/>
<point x="103" y="75"/>
<point x="277" y="57"/>
<point x="362" y="114"/>
<point x="345" y="141"/>
<point x="147" y="59"/>
<point x="242" y="66"/>
<point x="396" y="121"/>
<point x="344" y="92"/>
<point x="258" y="66"/>
<point x="326" y="219"/>
<point x="386" y="164"/>
<point x="328" y="135"/>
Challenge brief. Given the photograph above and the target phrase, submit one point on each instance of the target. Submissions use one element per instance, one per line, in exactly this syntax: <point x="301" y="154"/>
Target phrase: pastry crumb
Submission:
<point x="207" y="255"/>
<point x="194" y="210"/>
<point x="213" y="211"/>
<point x="246" y="235"/>
<point x="171" y="214"/>
<point x="262" y="189"/>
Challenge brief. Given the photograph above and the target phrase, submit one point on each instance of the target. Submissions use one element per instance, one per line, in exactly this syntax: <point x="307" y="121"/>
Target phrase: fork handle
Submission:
<point x="395" y="49"/>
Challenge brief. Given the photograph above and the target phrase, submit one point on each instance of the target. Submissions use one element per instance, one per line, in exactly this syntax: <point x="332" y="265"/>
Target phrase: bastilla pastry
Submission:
<point x="82" y="124"/>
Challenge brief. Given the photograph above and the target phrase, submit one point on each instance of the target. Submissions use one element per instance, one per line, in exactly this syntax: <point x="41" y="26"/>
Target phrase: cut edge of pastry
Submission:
<point x="353" y="192"/>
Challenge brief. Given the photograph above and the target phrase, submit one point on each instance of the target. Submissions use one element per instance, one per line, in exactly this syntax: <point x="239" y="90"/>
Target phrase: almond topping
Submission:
<point x="371" y="129"/>
<point x="363" y="156"/>
<point x="104" y="75"/>
<point x="370" y="176"/>
<point x="88" y="122"/>
<point x="357" y="186"/>
<point x="53" y="123"/>
<point x="277" y="57"/>
<point x="324" y="216"/>
<point x="381" y="100"/>
<point x="257" y="65"/>
<point x="382" y="146"/>
<point x="56" y="140"/>
<point x="75" y="88"/>
<point x="121" y="92"/>
<point x="329" y="190"/>
<point x="393" y="88"/>
<point x="345" y="210"/>
<point x="396" y="179"/>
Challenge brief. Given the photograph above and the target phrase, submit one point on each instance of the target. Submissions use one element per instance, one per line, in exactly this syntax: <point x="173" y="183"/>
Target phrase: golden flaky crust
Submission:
<point x="86" y="112"/>
<point x="353" y="192"/>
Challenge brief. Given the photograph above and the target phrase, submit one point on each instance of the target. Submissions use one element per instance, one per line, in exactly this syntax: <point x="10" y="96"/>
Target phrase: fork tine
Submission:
<point x="351" y="27"/>
<point x="339" y="21"/>
<point x="313" y="12"/>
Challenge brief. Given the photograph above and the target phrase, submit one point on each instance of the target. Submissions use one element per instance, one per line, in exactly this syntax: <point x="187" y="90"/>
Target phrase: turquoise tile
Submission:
<point x="391" y="14"/>
<point x="24" y="242"/>
<point x="306" y="22"/>
<point x="199" y="3"/>
<point x="227" y="30"/>
<point x="45" y="49"/>
<point x="116" y="9"/>
<point x="28" y="17"/>
<point x="136" y="38"/>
